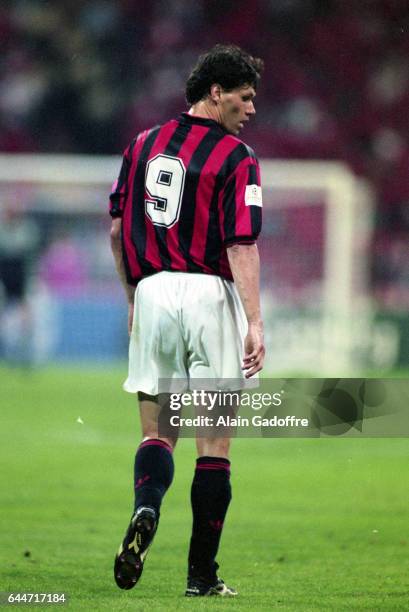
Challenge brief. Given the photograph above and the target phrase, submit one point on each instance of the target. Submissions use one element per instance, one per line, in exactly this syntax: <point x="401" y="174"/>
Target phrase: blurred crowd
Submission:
<point x="84" y="76"/>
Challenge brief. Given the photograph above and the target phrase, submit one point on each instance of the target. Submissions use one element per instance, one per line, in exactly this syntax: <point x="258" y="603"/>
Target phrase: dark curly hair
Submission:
<point x="227" y="65"/>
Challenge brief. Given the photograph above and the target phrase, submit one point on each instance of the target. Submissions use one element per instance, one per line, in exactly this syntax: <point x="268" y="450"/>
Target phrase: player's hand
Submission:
<point x="254" y="349"/>
<point x="130" y="316"/>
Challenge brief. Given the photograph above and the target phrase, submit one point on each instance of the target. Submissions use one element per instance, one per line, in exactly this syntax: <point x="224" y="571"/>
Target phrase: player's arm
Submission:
<point x="116" y="247"/>
<point x="241" y="225"/>
<point x="117" y="203"/>
<point x="245" y="266"/>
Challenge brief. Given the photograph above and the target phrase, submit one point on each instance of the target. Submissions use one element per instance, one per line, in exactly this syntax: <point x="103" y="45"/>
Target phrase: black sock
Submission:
<point x="210" y="497"/>
<point x="153" y="473"/>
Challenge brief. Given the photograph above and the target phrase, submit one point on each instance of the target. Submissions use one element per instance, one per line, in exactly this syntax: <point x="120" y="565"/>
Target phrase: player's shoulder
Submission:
<point x="142" y="136"/>
<point x="240" y="156"/>
<point x="159" y="126"/>
<point x="240" y="147"/>
<point x="135" y="146"/>
<point x="152" y="131"/>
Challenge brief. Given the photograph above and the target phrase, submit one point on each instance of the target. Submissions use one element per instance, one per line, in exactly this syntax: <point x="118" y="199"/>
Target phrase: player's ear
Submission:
<point x="215" y="92"/>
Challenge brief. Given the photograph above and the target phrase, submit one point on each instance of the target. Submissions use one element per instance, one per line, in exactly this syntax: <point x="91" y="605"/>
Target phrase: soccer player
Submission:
<point x="186" y="214"/>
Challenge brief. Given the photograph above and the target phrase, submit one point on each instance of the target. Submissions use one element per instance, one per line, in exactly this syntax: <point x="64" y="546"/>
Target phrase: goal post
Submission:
<point x="339" y="312"/>
<point x="317" y="225"/>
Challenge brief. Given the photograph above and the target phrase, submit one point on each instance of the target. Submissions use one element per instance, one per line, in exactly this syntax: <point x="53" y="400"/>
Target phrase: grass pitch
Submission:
<point x="314" y="524"/>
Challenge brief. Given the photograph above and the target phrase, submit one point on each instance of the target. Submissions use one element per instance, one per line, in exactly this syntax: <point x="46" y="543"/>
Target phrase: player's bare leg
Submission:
<point x="152" y="477"/>
<point x="154" y="410"/>
<point x="213" y="447"/>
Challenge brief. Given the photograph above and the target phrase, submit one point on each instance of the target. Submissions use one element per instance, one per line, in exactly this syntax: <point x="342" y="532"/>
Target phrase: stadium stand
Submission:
<point x="83" y="77"/>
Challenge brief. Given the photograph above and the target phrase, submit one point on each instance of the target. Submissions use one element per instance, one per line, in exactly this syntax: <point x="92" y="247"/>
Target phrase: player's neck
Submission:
<point x="206" y="109"/>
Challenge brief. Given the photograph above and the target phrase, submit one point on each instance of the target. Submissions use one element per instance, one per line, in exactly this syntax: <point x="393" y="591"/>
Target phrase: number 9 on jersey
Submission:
<point x="164" y="183"/>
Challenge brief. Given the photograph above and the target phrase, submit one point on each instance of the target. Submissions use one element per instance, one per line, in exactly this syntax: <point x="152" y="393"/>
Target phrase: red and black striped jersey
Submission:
<point x="186" y="191"/>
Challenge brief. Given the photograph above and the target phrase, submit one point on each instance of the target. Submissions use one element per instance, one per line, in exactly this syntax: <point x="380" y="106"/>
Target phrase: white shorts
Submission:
<point x="185" y="327"/>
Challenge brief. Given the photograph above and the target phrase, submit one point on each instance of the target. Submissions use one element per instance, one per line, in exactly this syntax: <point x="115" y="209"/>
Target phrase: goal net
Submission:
<point x="315" y="280"/>
<point x="317" y="221"/>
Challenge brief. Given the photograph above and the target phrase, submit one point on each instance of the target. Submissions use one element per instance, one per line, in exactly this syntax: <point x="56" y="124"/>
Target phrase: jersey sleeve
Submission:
<point x="119" y="189"/>
<point x="242" y="204"/>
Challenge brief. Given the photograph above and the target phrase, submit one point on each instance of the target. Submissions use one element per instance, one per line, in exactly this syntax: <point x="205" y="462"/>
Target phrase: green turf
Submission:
<point x="314" y="524"/>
